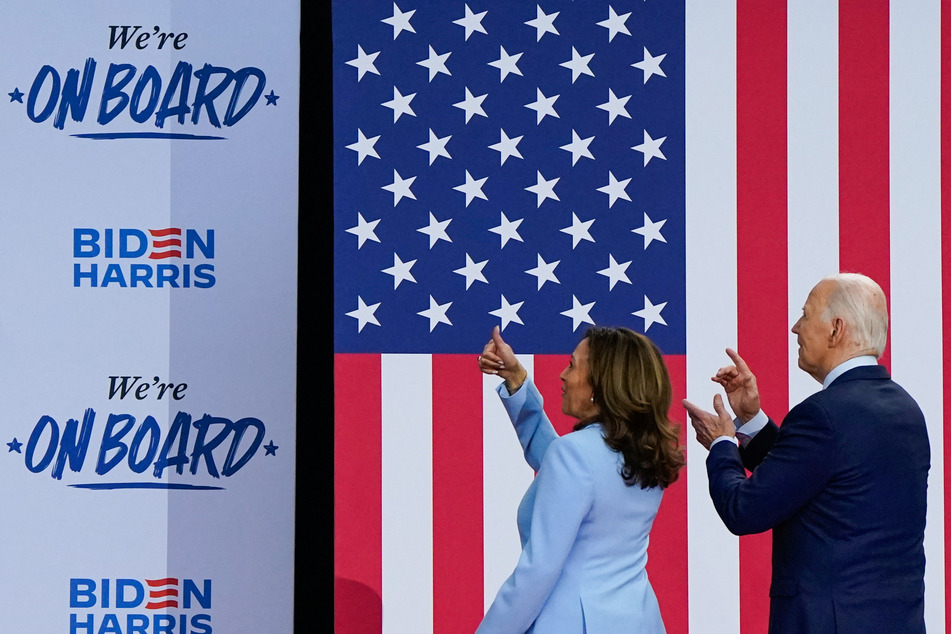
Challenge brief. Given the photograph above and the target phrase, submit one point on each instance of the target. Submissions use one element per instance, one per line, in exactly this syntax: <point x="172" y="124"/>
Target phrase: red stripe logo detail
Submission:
<point x="162" y="591"/>
<point x="161" y="233"/>
<point x="163" y="243"/>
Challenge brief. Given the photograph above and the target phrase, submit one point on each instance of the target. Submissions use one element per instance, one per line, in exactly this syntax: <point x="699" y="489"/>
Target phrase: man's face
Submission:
<point x="813" y="333"/>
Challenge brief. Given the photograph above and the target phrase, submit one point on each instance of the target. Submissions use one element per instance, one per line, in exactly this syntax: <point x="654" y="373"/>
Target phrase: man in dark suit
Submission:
<point x="842" y="482"/>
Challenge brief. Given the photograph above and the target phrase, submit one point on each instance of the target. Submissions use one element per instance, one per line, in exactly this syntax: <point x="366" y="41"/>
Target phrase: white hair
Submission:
<point x="860" y="302"/>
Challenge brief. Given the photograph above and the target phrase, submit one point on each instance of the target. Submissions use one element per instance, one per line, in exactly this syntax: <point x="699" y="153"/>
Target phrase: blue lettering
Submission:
<point x="206" y="246"/>
<point x="126" y="250"/>
<point x="203" y="448"/>
<point x="180" y="82"/>
<point x="204" y="276"/>
<point x="113" y="275"/>
<point x="138" y="593"/>
<point x="148" y="96"/>
<point x="75" y="97"/>
<point x="190" y="591"/>
<point x="79" y="275"/>
<point x="179" y="429"/>
<point x="137" y="624"/>
<point x="75" y="625"/>
<point x="73" y="448"/>
<point x="230" y="467"/>
<point x="85" y="243"/>
<point x="150" y="427"/>
<point x="41" y="425"/>
<point x="240" y="77"/>
<point x="201" y="624"/>
<point x="50" y="72"/>
<point x="166" y="273"/>
<point x="112" y="440"/>
<point x="205" y="98"/>
<point x="150" y="77"/>
<point x="113" y="91"/>
<point x="163" y="624"/>
<point x="110" y="625"/>
<point x="140" y="274"/>
<point x="82" y="593"/>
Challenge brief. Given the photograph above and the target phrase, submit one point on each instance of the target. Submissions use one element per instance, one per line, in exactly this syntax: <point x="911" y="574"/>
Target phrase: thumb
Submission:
<point x="718" y="406"/>
<point x="497" y="336"/>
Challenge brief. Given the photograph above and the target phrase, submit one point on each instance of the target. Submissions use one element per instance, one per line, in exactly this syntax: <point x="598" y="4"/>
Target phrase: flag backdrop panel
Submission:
<point x="482" y="154"/>
<point x="149" y="316"/>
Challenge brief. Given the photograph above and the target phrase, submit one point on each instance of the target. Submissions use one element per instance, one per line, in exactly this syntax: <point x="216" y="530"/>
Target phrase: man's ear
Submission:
<point x="837" y="334"/>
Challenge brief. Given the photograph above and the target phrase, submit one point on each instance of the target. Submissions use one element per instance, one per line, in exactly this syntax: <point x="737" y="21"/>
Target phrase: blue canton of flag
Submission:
<point x="507" y="163"/>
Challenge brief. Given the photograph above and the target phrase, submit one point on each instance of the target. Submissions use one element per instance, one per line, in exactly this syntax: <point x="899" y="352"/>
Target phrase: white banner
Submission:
<point x="148" y="319"/>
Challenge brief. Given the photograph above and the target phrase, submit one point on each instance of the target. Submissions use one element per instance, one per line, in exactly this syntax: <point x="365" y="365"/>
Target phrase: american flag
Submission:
<point x="686" y="169"/>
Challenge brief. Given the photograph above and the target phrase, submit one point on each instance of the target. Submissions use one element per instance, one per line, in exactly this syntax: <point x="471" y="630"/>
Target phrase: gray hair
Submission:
<point x="860" y="302"/>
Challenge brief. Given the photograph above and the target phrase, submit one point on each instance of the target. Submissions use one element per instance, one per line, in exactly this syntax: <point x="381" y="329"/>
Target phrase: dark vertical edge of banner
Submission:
<point x="762" y="252"/>
<point x="314" y="473"/>
<point x="864" y="142"/>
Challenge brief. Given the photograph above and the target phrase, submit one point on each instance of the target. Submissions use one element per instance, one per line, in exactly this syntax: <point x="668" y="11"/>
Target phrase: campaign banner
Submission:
<point x="148" y="321"/>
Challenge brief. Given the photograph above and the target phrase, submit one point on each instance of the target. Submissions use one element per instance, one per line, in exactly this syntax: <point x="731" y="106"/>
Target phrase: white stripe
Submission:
<point x="915" y="219"/>
<point x="407" y="492"/>
<point x="813" y="162"/>
<point x="505" y="477"/>
<point x="713" y="553"/>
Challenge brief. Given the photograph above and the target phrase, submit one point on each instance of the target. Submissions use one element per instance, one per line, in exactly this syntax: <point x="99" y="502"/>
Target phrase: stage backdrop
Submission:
<point x="686" y="169"/>
<point x="148" y="319"/>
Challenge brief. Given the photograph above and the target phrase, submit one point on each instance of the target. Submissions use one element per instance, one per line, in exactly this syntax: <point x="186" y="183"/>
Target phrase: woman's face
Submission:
<point x="576" y="389"/>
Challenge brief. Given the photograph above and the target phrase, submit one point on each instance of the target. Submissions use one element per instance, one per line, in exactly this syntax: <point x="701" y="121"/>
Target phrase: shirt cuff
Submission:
<point x="721" y="438"/>
<point x="746" y="431"/>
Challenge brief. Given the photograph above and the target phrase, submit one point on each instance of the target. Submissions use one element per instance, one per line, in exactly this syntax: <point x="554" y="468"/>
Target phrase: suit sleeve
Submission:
<point x="565" y="493"/>
<point x="798" y="465"/>
<point x="535" y="431"/>
<point x="759" y="446"/>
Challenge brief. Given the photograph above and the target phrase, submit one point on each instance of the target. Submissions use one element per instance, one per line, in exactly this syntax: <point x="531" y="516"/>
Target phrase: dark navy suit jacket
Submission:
<point x="842" y="483"/>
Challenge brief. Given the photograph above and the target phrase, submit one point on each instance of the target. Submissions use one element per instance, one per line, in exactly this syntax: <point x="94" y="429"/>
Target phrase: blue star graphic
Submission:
<point x="271" y="99"/>
<point x="16" y="95"/>
<point x="14" y="446"/>
<point x="270" y="448"/>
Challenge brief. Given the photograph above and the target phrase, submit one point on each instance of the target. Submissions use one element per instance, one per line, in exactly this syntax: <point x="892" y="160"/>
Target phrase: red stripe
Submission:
<point x="158" y="594"/>
<point x="667" y="554"/>
<point x="171" y="242"/>
<point x="165" y="255"/>
<point x="863" y="141"/>
<point x="457" y="494"/>
<point x="762" y="314"/>
<point x="357" y="498"/>
<point x="548" y="367"/>
<point x="167" y="581"/>
<point x="166" y="232"/>
<point x="160" y="605"/>
<point x="946" y="281"/>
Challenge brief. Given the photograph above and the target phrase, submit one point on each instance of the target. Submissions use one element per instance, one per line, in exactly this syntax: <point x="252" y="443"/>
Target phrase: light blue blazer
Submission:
<point x="584" y="536"/>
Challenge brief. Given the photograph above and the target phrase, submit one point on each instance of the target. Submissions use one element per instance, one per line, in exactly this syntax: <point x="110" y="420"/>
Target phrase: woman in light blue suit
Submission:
<point x="585" y="519"/>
